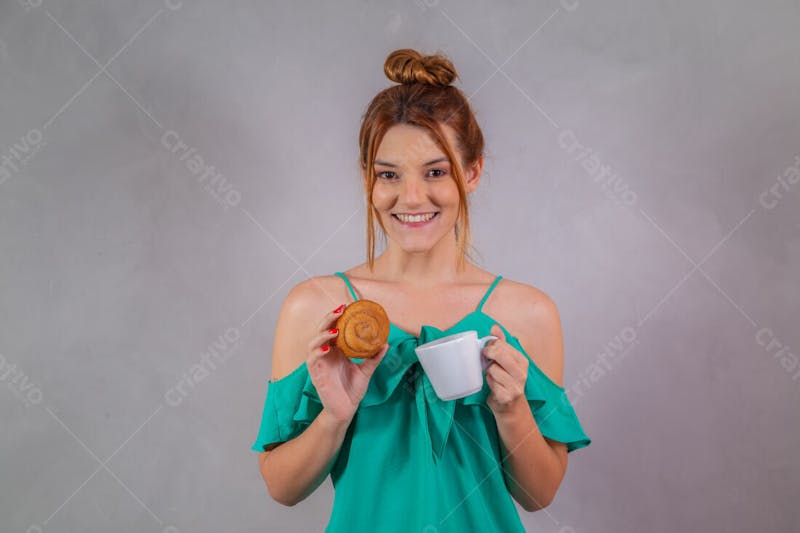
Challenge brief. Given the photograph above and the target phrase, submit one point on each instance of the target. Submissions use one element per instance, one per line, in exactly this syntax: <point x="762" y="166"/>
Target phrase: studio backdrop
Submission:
<point x="169" y="170"/>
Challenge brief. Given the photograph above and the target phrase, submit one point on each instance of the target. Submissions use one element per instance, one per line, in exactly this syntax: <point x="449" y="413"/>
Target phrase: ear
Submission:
<point x="472" y="175"/>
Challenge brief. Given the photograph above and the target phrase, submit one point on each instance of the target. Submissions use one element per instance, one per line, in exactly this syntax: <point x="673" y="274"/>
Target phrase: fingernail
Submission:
<point x="339" y="309"/>
<point x="333" y="330"/>
<point x="325" y="348"/>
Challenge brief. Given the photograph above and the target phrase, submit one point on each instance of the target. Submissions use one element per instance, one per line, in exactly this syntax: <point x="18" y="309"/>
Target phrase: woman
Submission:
<point x="401" y="459"/>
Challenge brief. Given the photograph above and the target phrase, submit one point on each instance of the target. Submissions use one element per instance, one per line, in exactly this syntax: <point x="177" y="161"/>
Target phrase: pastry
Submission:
<point x="363" y="329"/>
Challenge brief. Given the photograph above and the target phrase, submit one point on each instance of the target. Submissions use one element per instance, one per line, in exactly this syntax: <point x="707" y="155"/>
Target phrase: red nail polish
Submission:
<point x="339" y="309"/>
<point x="325" y="348"/>
<point x="333" y="330"/>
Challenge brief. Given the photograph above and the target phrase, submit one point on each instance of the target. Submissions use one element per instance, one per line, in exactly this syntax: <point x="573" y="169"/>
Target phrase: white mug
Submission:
<point x="455" y="364"/>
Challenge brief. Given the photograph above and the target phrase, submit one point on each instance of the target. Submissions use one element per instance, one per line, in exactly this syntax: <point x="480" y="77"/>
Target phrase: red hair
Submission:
<point x="424" y="98"/>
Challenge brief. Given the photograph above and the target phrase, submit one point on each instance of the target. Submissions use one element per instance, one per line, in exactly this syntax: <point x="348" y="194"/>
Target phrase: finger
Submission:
<point x="496" y="385"/>
<point x="321" y="345"/>
<point x="331" y="317"/>
<point x="497" y="331"/>
<point x="323" y="338"/>
<point x="369" y="365"/>
<point x="500" y="376"/>
<point x="506" y="358"/>
<point x="317" y="352"/>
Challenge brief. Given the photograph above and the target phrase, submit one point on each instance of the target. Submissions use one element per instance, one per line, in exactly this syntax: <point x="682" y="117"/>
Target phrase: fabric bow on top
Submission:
<point x="401" y="368"/>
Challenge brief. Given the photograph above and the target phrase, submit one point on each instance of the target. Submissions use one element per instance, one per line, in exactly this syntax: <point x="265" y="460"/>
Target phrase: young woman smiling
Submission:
<point x="375" y="425"/>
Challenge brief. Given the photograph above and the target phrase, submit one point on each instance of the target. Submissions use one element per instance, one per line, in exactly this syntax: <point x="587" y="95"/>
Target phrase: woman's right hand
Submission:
<point x="340" y="383"/>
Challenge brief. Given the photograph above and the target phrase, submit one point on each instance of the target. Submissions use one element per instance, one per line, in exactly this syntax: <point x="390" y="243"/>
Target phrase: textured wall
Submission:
<point x="171" y="168"/>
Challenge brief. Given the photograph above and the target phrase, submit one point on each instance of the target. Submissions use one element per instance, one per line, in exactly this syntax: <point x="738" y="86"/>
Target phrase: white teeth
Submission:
<point x="415" y="218"/>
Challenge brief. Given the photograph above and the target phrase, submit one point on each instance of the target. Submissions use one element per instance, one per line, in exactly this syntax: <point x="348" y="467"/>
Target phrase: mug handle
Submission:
<point x="481" y="344"/>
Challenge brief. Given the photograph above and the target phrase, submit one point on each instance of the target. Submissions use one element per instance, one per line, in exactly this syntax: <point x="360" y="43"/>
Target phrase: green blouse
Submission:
<point x="413" y="462"/>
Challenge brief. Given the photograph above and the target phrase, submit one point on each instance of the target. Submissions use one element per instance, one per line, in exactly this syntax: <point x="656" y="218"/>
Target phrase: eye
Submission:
<point x="443" y="172"/>
<point x="381" y="175"/>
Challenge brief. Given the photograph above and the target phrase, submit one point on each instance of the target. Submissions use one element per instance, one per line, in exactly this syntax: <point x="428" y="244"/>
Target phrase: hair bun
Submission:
<point x="408" y="66"/>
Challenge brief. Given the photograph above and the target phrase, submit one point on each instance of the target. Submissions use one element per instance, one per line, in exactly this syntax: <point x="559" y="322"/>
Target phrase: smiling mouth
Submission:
<point x="415" y="223"/>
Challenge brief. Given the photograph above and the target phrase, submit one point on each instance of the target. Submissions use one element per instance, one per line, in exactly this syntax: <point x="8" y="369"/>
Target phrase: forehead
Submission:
<point x="404" y="143"/>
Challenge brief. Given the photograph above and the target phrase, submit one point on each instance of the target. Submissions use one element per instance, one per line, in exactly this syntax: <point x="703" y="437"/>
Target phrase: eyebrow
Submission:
<point x="431" y="162"/>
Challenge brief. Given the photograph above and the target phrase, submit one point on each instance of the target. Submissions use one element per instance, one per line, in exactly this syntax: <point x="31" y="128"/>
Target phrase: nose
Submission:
<point x="413" y="191"/>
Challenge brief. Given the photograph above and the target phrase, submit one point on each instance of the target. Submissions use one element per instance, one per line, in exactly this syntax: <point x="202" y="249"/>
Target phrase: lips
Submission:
<point x="416" y="224"/>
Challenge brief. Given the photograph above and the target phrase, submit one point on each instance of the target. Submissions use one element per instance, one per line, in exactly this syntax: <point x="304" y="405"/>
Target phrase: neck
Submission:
<point x="425" y="268"/>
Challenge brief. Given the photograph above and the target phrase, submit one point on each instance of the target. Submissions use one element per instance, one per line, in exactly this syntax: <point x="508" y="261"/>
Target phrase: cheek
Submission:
<point x="448" y="194"/>
<point x="382" y="199"/>
<point x="448" y="199"/>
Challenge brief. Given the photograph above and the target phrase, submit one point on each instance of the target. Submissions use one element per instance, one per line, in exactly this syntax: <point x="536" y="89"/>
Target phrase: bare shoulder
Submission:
<point x="531" y="315"/>
<point x="304" y="299"/>
<point x="516" y="297"/>
<point x="299" y="321"/>
<point x="318" y="292"/>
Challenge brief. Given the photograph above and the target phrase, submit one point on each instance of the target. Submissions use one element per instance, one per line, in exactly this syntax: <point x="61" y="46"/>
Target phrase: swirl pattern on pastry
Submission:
<point x="363" y="329"/>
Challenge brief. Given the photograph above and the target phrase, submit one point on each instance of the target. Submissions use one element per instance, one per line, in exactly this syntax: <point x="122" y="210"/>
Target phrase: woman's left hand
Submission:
<point x="506" y="374"/>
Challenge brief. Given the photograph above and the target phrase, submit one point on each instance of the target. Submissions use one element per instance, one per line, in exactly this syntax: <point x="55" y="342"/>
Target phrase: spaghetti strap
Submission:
<point x="488" y="292"/>
<point x="480" y="305"/>
<point x="349" y="286"/>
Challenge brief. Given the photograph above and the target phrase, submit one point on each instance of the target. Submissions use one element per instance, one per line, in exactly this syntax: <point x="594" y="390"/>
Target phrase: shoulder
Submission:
<point x="516" y="297"/>
<point x="531" y="315"/>
<point x="316" y="292"/>
<point x="315" y="296"/>
<point x="299" y="321"/>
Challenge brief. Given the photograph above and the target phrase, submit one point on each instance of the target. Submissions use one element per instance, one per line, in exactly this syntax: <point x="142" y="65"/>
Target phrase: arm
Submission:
<point x="294" y="469"/>
<point x="534" y="465"/>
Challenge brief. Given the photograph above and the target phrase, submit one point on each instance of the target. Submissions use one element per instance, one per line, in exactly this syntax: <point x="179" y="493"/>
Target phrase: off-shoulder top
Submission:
<point x="413" y="462"/>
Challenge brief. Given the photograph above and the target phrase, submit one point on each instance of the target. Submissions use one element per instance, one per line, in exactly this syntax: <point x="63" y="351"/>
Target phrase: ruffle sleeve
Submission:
<point x="556" y="417"/>
<point x="552" y="408"/>
<point x="550" y="405"/>
<point x="290" y="406"/>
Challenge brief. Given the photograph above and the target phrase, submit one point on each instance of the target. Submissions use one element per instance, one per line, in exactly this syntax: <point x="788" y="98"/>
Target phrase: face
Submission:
<point x="414" y="177"/>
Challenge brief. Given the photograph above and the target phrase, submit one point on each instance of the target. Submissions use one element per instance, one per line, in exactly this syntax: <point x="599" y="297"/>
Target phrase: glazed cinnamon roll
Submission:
<point x="363" y="329"/>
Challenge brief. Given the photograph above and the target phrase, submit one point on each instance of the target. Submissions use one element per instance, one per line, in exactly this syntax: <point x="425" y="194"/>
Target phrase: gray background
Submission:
<point x="121" y="265"/>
